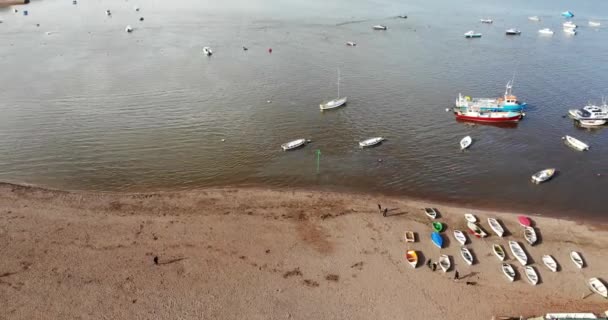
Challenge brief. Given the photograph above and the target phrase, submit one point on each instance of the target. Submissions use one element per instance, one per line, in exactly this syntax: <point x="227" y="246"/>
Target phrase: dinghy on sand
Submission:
<point x="499" y="252"/>
<point x="530" y="235"/>
<point x="524" y="221"/>
<point x="460" y="237"/>
<point x="531" y="275"/>
<point x="496" y="227"/>
<point x="412" y="258"/>
<point x="598" y="287"/>
<point x="444" y="262"/>
<point x="550" y="263"/>
<point x="470" y="217"/>
<point x="410" y="237"/>
<point x="577" y="259"/>
<point x="437" y="226"/>
<point x="476" y="230"/>
<point x="437" y="239"/>
<point x="431" y="213"/>
<point x="508" y="270"/>
<point x="466" y="255"/>
<point x="518" y="252"/>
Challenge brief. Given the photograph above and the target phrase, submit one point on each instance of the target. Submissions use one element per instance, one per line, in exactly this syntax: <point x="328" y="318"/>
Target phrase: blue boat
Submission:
<point x="506" y="103"/>
<point x="437" y="239"/>
<point x="568" y="14"/>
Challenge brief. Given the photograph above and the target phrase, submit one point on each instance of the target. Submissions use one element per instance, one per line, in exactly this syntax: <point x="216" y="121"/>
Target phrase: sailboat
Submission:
<point x="335" y="103"/>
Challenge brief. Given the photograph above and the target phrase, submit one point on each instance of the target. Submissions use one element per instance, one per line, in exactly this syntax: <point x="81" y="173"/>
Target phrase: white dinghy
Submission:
<point x="460" y="237"/>
<point x="496" y="227"/>
<point x="465" y="143"/>
<point x="509" y="272"/>
<point x="550" y="263"/>
<point x="371" y="142"/>
<point x="518" y="252"/>
<point x="294" y="144"/>
<point x="531" y="275"/>
<point x="575" y="143"/>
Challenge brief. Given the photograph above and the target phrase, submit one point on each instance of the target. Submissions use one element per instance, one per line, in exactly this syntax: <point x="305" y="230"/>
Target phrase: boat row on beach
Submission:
<point x="516" y="249"/>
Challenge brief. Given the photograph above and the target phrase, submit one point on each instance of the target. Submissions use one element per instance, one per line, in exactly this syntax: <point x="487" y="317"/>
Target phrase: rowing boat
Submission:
<point x="530" y="235"/>
<point x="476" y="230"/>
<point x="437" y="226"/>
<point x="499" y="252"/>
<point x="465" y="142"/>
<point x="550" y="263"/>
<point x="466" y="255"/>
<point x="531" y="275"/>
<point x="431" y="213"/>
<point x="518" y="252"/>
<point x="577" y="259"/>
<point x="460" y="237"/>
<point x="412" y="258"/>
<point x="410" y="237"/>
<point x="470" y="217"/>
<point x="524" y="221"/>
<point x="496" y="227"/>
<point x="444" y="262"/>
<point x="437" y="239"/>
<point x="508" y="270"/>
<point x="598" y="287"/>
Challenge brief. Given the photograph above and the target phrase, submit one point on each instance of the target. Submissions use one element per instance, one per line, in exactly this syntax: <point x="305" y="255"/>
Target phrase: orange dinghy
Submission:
<point x="412" y="258"/>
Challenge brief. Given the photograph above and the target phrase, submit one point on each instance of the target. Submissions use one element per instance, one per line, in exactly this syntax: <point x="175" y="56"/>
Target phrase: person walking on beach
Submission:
<point x="384" y="212"/>
<point x="456" y="275"/>
<point x="379" y="207"/>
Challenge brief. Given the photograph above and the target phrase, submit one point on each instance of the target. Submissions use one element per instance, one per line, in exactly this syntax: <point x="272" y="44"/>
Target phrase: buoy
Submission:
<point x="447" y="109"/>
<point x="141" y="19"/>
<point x="129" y="29"/>
<point x="136" y="8"/>
<point x="269" y="50"/>
<point x="223" y="140"/>
<point x="15" y="10"/>
<point x="245" y="48"/>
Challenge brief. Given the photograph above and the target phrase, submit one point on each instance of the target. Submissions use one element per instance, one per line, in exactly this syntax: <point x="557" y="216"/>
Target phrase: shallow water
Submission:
<point x="92" y="107"/>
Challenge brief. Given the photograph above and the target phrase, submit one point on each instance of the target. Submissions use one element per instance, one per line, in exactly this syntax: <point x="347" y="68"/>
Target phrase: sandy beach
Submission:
<point x="253" y="253"/>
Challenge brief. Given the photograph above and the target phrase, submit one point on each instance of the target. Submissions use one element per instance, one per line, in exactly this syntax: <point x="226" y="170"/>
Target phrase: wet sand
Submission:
<point x="253" y="253"/>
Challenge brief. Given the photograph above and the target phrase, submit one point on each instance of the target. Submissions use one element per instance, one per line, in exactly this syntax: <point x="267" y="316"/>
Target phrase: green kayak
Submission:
<point x="437" y="226"/>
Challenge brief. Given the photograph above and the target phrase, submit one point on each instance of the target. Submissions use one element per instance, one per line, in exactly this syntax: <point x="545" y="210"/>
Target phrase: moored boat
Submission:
<point x="508" y="102"/>
<point x="570" y="31"/>
<point x="476" y="230"/>
<point x="351" y="43"/>
<point x="444" y="262"/>
<point x="531" y="275"/>
<point x="594" y="24"/>
<point x="590" y="112"/>
<point x="575" y="143"/>
<point x="518" y="252"/>
<point x="577" y="259"/>
<point x="591" y="123"/>
<point x="335" y="103"/>
<point x="543" y="175"/>
<point x="379" y="27"/>
<point x="499" y="252"/>
<point x="496" y="227"/>
<point x="513" y="32"/>
<point x="486" y="20"/>
<point x="207" y="51"/>
<point x="460" y="237"/>
<point x="431" y="213"/>
<point x="569" y="25"/>
<point x="524" y="221"/>
<point x="412" y="258"/>
<point x="530" y="235"/>
<point x="546" y="31"/>
<point x="293" y="144"/>
<point x="508" y="270"/>
<point x="550" y="262"/>
<point x="371" y="142"/>
<point x="472" y="34"/>
<point x="467" y="256"/>
<point x="598" y="287"/>
<point x="465" y="142"/>
<point x="129" y="29"/>
<point x="488" y="116"/>
<point x="567" y="14"/>
<point x="534" y="18"/>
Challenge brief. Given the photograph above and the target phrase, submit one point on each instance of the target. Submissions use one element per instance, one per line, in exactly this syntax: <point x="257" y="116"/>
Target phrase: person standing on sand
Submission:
<point x="456" y="275"/>
<point x="384" y="212"/>
<point x="379" y="207"/>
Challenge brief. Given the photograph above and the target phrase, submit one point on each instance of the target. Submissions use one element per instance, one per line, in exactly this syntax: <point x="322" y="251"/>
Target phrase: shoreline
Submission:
<point x="232" y="253"/>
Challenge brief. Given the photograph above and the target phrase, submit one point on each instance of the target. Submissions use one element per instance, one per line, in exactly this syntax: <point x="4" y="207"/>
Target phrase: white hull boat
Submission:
<point x="598" y="287"/>
<point x="531" y="275"/>
<point x="335" y="103"/>
<point x="476" y="230"/>
<point x="518" y="252"/>
<point x="569" y="25"/>
<point x="594" y="24"/>
<point x="128" y="29"/>
<point x="293" y="144"/>
<point x="465" y="143"/>
<point x="431" y="213"/>
<point x="496" y="227"/>
<point x="472" y="34"/>
<point x="499" y="252"/>
<point x="466" y="255"/>
<point x="530" y="235"/>
<point x="550" y="263"/>
<point x="543" y="175"/>
<point x="509" y="272"/>
<point x="486" y="20"/>
<point x="351" y="44"/>
<point x="546" y="31"/>
<point x="571" y="32"/>
<point x="460" y="237"/>
<point x="444" y="263"/>
<point x="577" y="259"/>
<point x="470" y="217"/>
<point x="371" y="142"/>
<point x="591" y="123"/>
<point x="575" y="143"/>
<point x="379" y="27"/>
<point x="207" y="51"/>
<point x="590" y="112"/>
<point x="534" y="18"/>
<point x="513" y="32"/>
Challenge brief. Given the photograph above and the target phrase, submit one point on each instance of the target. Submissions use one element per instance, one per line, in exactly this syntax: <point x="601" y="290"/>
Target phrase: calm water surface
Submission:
<point x="92" y="107"/>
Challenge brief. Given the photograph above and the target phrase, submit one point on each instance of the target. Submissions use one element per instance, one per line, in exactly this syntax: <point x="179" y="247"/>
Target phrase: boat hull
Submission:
<point x="477" y="118"/>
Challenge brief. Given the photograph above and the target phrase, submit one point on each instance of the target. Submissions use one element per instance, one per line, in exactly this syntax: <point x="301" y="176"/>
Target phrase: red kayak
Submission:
<point x="524" y="221"/>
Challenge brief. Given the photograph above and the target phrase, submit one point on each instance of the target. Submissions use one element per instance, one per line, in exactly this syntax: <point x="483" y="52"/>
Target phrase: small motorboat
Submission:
<point x="550" y="263"/>
<point x="577" y="259"/>
<point x="465" y="143"/>
<point x="570" y="32"/>
<point x="437" y="239"/>
<point x="518" y="252"/>
<point x="512" y="32"/>
<point x="530" y="235"/>
<point x="431" y="213"/>
<point x="546" y="31"/>
<point x="472" y="34"/>
<point x="543" y="175"/>
<point x="108" y="13"/>
<point x="534" y="18"/>
<point x="470" y="217"/>
<point x="410" y="236"/>
<point x="598" y="287"/>
<point x="371" y="142"/>
<point x="569" y="25"/>
<point x="590" y="112"/>
<point x="402" y="16"/>
<point x="129" y="29"/>
<point x="524" y="221"/>
<point x="508" y="270"/>
<point x="332" y="104"/>
<point x="291" y="145"/>
<point x="575" y="143"/>
<point x="567" y="14"/>
<point x="476" y="230"/>
<point x="466" y="255"/>
<point x="351" y="43"/>
<point x="486" y="20"/>
<point x="460" y="237"/>
<point x="444" y="262"/>
<point x="412" y="258"/>
<point x="594" y="24"/>
<point x="499" y="252"/>
<point x="531" y="275"/>
<point x="437" y="226"/>
<point x="591" y="123"/>
<point x="207" y="51"/>
<point x="379" y="27"/>
<point x="496" y="227"/>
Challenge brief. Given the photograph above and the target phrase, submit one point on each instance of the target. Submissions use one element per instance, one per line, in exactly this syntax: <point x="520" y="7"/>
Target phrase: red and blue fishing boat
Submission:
<point x="488" y="116"/>
<point x="508" y="102"/>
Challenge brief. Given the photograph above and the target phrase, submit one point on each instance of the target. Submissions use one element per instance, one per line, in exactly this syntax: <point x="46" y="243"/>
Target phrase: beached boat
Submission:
<point x="531" y="275"/>
<point x="335" y="103"/>
<point x="591" y="123"/>
<point x="598" y="287"/>
<point x="508" y="270"/>
<point x="472" y="34"/>
<point x="486" y="20"/>
<point x="437" y="226"/>
<point x="476" y="230"/>
<point x="571" y="32"/>
<point x="550" y="262"/>
<point x="543" y="175"/>
<point x="293" y="144"/>
<point x="466" y="255"/>
<point x="470" y="217"/>
<point x="496" y="227"/>
<point x="534" y="18"/>
<point x="518" y="252"/>
<point x="465" y="142"/>
<point x="546" y="31"/>
<point x="431" y="213"/>
<point x="594" y="24"/>
<point x="444" y="262"/>
<point x="351" y="43"/>
<point x="437" y="239"/>
<point x="460" y="237"/>
<point x="207" y="51"/>
<point x="379" y="27"/>
<point x="371" y="142"/>
<point x="129" y="29"/>
<point x="577" y="259"/>
<point x="575" y="143"/>
<point x="508" y="102"/>
<point x="487" y="116"/>
<point x="590" y="112"/>
<point x="499" y="252"/>
<point x="512" y="32"/>
<point x="524" y="221"/>
<point x="412" y="258"/>
<point x="567" y="14"/>
<point x="530" y="235"/>
<point x="410" y="236"/>
<point x="569" y="25"/>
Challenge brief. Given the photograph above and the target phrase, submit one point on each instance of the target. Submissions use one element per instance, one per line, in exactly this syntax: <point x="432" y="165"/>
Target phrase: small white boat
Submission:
<point x="534" y="18"/>
<point x="129" y="29"/>
<point x="594" y="24"/>
<point x="531" y="275"/>
<point x="518" y="252"/>
<point x="499" y="252"/>
<point x="466" y="255"/>
<point x="577" y="259"/>
<point x="335" y="103"/>
<point x="550" y="263"/>
<point x="465" y="142"/>
<point x="513" y="32"/>
<point x="569" y="25"/>
<point x="412" y="258"/>
<point x="598" y="287"/>
<point x="370" y="142"/>
<point x="293" y="144"/>
<point x="379" y="27"/>
<point x="351" y="43"/>
<point x="470" y="217"/>
<point x="431" y="213"/>
<point x="460" y="237"/>
<point x="591" y="123"/>
<point x="575" y="143"/>
<point x="108" y="13"/>
<point x="508" y="270"/>
<point x="472" y="34"/>
<point x="486" y="20"/>
<point x="570" y="32"/>
<point x="444" y="262"/>
<point x="543" y="175"/>
<point x="476" y="230"/>
<point x="546" y="31"/>
<point x="496" y="227"/>
<point x="207" y="51"/>
<point x="530" y="235"/>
